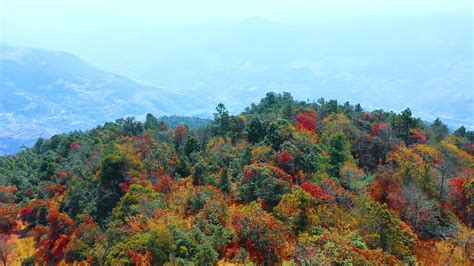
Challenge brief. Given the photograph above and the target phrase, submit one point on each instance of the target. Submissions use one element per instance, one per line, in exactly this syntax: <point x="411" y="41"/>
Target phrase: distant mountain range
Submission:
<point x="422" y="63"/>
<point x="44" y="93"/>
<point x="425" y="63"/>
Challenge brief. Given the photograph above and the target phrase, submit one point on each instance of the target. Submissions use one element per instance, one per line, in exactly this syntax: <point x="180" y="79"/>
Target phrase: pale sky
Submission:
<point x="89" y="28"/>
<point x="51" y="23"/>
<point x="23" y="17"/>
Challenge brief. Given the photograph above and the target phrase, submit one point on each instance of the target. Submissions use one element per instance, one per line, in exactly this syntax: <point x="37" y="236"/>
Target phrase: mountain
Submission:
<point x="46" y="92"/>
<point x="284" y="183"/>
<point x="425" y="63"/>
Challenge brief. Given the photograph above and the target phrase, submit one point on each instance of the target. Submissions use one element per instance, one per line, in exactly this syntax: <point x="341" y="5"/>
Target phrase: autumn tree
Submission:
<point x="87" y="234"/>
<point x="8" y="210"/>
<point x="8" y="217"/>
<point x="306" y="120"/>
<point x="302" y="156"/>
<point x="385" y="230"/>
<point x="262" y="154"/>
<point x="452" y="158"/>
<point x="152" y="246"/>
<point x="139" y="199"/>
<point x="259" y="232"/>
<point x="6" y="248"/>
<point x="212" y="222"/>
<point x="180" y="135"/>
<point x="297" y="207"/>
<point x="52" y="240"/>
<point x="263" y="182"/>
<point x="351" y="176"/>
<point x="409" y="189"/>
<point x="462" y="197"/>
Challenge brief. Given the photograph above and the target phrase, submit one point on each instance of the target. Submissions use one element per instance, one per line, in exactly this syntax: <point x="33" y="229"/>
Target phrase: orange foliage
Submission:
<point x="51" y="240"/>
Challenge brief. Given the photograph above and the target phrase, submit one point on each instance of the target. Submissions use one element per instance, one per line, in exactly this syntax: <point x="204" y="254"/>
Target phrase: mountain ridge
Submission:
<point x="49" y="92"/>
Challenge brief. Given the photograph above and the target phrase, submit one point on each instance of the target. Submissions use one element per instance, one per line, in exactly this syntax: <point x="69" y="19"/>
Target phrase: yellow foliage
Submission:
<point x="335" y="123"/>
<point x="306" y="136"/>
<point x="180" y="192"/>
<point x="410" y="164"/>
<point x="23" y="248"/>
<point x="465" y="158"/>
<point x="458" y="250"/>
<point x="263" y="154"/>
<point x="428" y="153"/>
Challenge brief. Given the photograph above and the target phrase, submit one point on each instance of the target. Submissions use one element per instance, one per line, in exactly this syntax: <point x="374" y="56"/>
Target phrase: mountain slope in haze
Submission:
<point x="424" y="63"/>
<point x="390" y="63"/>
<point x="44" y="92"/>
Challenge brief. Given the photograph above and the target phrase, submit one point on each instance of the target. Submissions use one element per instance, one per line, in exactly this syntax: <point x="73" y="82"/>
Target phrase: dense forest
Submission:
<point x="284" y="182"/>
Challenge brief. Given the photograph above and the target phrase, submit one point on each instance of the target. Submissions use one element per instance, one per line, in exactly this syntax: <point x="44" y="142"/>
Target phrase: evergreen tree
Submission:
<point x="460" y="132"/>
<point x="237" y="127"/>
<point x="151" y="122"/>
<point x="224" y="182"/>
<point x="287" y="111"/>
<point x="339" y="148"/>
<point x="109" y="192"/>
<point x="255" y="131"/>
<point x="198" y="174"/>
<point x="279" y="131"/>
<point x="221" y="124"/>
<point x="387" y="230"/>
<point x="439" y="131"/>
<point x="402" y="124"/>
<point x="191" y="145"/>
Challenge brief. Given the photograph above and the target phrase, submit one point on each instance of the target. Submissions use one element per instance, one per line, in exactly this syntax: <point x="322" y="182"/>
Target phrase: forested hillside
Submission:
<point x="45" y="92"/>
<point x="283" y="182"/>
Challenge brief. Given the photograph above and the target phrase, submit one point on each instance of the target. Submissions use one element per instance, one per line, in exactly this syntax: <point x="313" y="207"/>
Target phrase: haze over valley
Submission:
<point x="73" y="81"/>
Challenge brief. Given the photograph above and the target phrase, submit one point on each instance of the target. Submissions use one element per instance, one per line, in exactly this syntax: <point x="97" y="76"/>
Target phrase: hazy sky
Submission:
<point x="125" y="37"/>
<point x="45" y="22"/>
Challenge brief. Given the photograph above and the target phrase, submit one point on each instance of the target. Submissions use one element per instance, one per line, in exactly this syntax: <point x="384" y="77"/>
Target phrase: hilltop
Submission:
<point x="284" y="181"/>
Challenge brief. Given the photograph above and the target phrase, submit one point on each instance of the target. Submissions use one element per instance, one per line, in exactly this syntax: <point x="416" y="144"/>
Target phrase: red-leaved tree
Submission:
<point x="306" y="120"/>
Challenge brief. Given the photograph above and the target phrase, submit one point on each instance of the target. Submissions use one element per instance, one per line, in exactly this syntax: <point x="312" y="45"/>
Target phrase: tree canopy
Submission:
<point x="301" y="182"/>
